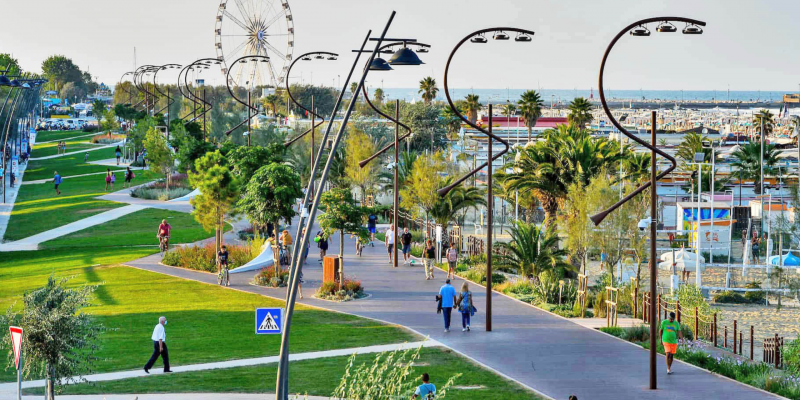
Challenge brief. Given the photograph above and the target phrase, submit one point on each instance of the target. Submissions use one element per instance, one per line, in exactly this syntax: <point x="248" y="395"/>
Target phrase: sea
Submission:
<point x="563" y="96"/>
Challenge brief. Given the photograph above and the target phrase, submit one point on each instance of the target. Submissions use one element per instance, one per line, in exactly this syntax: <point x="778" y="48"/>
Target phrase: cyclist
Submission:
<point x="163" y="233"/>
<point x="222" y="256"/>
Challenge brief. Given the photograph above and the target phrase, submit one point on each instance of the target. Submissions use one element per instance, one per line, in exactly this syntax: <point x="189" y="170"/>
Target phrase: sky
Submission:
<point x="747" y="45"/>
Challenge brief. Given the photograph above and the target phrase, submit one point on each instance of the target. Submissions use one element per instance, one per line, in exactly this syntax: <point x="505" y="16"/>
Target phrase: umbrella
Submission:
<point x="684" y="261"/>
<point x="789" y="260"/>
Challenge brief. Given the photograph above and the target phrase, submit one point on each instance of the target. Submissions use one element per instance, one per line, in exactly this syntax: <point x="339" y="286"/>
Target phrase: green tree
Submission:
<point x="386" y="177"/>
<point x="530" y="107"/>
<point x="419" y="192"/>
<point x="342" y="215"/>
<point x="72" y="92"/>
<point x="533" y="250"/>
<point x="271" y="101"/>
<point x="424" y="121"/>
<point x="766" y="117"/>
<point x="451" y="121"/>
<point x="747" y="162"/>
<point x="9" y="64"/>
<point x="109" y="123"/>
<point x="219" y="191"/>
<point x="353" y="88"/>
<point x="60" y="70"/>
<point x="428" y="89"/>
<point x="693" y="143"/>
<point x="270" y="194"/>
<point x="359" y="146"/>
<point x="458" y="200"/>
<point x="244" y="161"/>
<point x="580" y="112"/>
<point x="159" y="154"/>
<point x="378" y="96"/>
<point x="577" y="227"/>
<point x="60" y="339"/>
<point x="471" y="106"/>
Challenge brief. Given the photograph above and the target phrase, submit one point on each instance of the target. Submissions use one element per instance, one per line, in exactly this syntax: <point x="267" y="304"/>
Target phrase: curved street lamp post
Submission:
<point x="248" y="104"/>
<point x="403" y="56"/>
<point x="638" y="28"/>
<point x="201" y="64"/>
<point x="156" y="89"/>
<point x="522" y="36"/>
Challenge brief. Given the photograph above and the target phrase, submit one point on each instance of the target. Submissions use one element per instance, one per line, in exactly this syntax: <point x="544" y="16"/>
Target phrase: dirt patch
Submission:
<point x="93" y="210"/>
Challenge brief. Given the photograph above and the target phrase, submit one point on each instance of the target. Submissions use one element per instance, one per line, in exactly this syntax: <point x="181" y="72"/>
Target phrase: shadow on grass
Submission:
<point x="101" y="293"/>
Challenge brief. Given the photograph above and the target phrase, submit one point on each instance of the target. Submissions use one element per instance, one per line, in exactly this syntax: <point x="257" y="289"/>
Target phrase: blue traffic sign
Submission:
<point x="269" y="321"/>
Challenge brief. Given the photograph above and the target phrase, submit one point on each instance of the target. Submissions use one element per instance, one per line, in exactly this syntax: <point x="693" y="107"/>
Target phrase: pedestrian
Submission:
<point x="755" y="249"/>
<point x="12" y="178"/>
<point x="390" y="243"/>
<point x="448" y="297"/>
<point x="670" y="332"/>
<point x="286" y="239"/>
<point x="427" y="390"/>
<point x="465" y="306"/>
<point x="744" y="237"/>
<point x="64" y="147"/>
<point x="405" y="239"/>
<point x="118" y="153"/>
<point x="113" y="179"/>
<point x="452" y="260"/>
<point x="108" y="177"/>
<point x="322" y="243"/>
<point x="159" y="346"/>
<point x="56" y="181"/>
<point x="86" y="157"/>
<point x="372" y="223"/>
<point x="128" y="177"/>
<point x="428" y="259"/>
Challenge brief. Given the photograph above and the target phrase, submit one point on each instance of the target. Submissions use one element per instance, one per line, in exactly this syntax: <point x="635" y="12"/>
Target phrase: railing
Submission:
<point x="612" y="294"/>
<point x="772" y="351"/>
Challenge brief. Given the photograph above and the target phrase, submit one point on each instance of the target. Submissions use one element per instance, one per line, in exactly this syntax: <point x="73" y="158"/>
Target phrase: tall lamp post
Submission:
<point x="201" y="64"/>
<point x="315" y="55"/>
<point x="169" y="99"/>
<point x="638" y="28"/>
<point x="403" y="56"/>
<point x="282" y="392"/>
<point x="478" y="37"/>
<point x="248" y="104"/>
<point x="141" y="85"/>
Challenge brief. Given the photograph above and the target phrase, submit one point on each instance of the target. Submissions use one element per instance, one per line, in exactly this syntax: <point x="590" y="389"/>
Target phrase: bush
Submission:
<point x="730" y="297"/>
<point x="640" y="333"/>
<point x="90" y="128"/>
<point x="106" y="138"/>
<point x="148" y="193"/>
<point x="599" y="304"/>
<point x="757" y="297"/>
<point x="351" y="289"/>
<point x="477" y="274"/>
<point x="546" y="288"/>
<point x="613" y="330"/>
<point x="791" y="356"/>
<point x="268" y="277"/>
<point x="204" y="258"/>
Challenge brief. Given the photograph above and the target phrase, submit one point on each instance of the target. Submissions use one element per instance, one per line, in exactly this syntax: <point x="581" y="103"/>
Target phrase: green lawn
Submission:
<point x="206" y="322"/>
<point x="46" y="136"/>
<point x="49" y="149"/>
<point x="135" y="229"/>
<point x="67" y="165"/>
<point x="38" y="209"/>
<point x="318" y="377"/>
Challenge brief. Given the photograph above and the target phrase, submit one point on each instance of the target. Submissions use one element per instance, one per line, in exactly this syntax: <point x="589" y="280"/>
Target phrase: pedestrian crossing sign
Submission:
<point x="269" y="321"/>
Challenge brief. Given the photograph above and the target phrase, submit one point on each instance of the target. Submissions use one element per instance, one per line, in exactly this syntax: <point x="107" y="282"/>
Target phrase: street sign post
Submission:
<point x="16" y="344"/>
<point x="269" y="321"/>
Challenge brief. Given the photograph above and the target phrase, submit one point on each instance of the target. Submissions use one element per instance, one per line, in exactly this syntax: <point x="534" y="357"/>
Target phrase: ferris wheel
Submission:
<point x="254" y="28"/>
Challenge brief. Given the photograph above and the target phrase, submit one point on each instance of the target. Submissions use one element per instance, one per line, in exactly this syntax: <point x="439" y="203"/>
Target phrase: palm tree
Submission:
<point x="636" y="166"/>
<point x="353" y="88"/>
<point x="378" y="96"/>
<point x="471" y="107"/>
<point x="705" y="181"/>
<point x="406" y="162"/>
<point x="765" y="116"/>
<point x="580" y="112"/>
<point x="530" y="106"/>
<point x="428" y="89"/>
<point x="452" y="122"/>
<point x="747" y="161"/>
<point x="509" y="109"/>
<point x="693" y="143"/>
<point x="461" y="198"/>
<point x="532" y="250"/>
<point x="272" y="102"/>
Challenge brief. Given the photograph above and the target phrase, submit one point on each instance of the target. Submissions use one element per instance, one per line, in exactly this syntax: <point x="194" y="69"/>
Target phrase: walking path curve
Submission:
<point x="67" y="177"/>
<point x="112" y="376"/>
<point x="550" y="354"/>
<point x="75" y="152"/>
<point x="69" y="138"/>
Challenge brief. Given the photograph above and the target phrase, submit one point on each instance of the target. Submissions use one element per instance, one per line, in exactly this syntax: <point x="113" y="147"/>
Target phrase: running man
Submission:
<point x="670" y="332"/>
<point x="163" y="232"/>
<point x="372" y="223"/>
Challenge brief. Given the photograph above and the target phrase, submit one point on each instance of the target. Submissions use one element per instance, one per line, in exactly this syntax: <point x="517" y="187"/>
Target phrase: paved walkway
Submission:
<point x="32" y="242"/>
<point x="113" y="162"/>
<point x="10" y="197"/>
<point x="76" y="152"/>
<point x="177" y="396"/>
<point x="38" y="181"/>
<point x="7" y="388"/>
<point x="553" y="355"/>
<point x="69" y="138"/>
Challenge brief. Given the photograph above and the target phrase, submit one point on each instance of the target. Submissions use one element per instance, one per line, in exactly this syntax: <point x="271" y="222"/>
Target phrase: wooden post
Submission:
<point x="741" y="340"/>
<point x="734" y="336"/>
<point x="715" y="329"/>
<point x="751" y="343"/>
<point x="696" y="325"/>
<point x="777" y="352"/>
<point x="725" y="340"/>
<point x="678" y="310"/>
<point x="658" y="308"/>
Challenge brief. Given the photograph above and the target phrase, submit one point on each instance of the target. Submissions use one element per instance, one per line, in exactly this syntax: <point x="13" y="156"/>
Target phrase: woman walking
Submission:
<point x="128" y="177"/>
<point x="118" y="153"/>
<point x="465" y="306"/>
<point x="108" y="178"/>
<point x="452" y="260"/>
<point x="428" y="258"/>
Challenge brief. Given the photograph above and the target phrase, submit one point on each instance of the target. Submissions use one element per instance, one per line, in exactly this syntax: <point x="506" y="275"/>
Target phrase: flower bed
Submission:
<point x="270" y="278"/>
<point x="203" y="258"/>
<point x="351" y="289"/>
<point x="178" y="187"/>
<point x="105" y="138"/>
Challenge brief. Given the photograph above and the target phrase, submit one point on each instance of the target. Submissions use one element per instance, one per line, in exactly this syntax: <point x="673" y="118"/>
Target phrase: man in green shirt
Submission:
<point x="670" y="332"/>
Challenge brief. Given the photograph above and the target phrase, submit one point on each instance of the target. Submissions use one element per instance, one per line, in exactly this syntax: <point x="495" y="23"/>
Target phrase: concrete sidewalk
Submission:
<point x="554" y="356"/>
<point x="69" y="138"/>
<point x="7" y="388"/>
<point x="75" y="152"/>
<point x="38" y="181"/>
<point x="32" y="242"/>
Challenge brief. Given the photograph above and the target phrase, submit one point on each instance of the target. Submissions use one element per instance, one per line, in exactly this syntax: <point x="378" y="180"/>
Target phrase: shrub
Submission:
<point x="351" y="289"/>
<point x="546" y="288"/>
<point x="756" y="297"/>
<point x="268" y="277"/>
<point x="640" y="333"/>
<point x="730" y="297"/>
<point x="204" y="258"/>
<point x="178" y="187"/>
<point x="90" y="128"/>
<point x="600" y="304"/>
<point x="106" y="138"/>
<point x="478" y="274"/>
<point x="613" y="330"/>
<point x="791" y="356"/>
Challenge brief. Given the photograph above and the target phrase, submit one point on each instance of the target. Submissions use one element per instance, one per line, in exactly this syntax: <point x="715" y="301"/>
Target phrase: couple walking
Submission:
<point x="448" y="298"/>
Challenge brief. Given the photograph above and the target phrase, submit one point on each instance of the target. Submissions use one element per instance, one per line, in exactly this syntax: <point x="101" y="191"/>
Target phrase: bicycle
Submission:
<point x="163" y="244"/>
<point x="223" y="275"/>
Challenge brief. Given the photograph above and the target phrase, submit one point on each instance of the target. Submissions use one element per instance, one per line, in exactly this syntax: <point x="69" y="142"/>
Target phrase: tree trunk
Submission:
<point x="341" y="258"/>
<point x="50" y="390"/>
<point x="550" y="206"/>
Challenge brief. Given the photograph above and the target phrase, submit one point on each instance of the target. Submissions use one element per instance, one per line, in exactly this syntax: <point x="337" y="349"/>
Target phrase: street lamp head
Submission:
<point x="387" y="50"/>
<point x="422" y="49"/>
<point x="379" y="64"/>
<point x="306" y="58"/>
<point x="500" y="35"/>
<point x="692" y="30"/>
<point x="523" y="38"/>
<point x="666" y="27"/>
<point x="640" y="30"/>
<point x="4" y="81"/>
<point x="265" y="60"/>
<point x="478" y="39"/>
<point x="405" y="56"/>
<point x="332" y="58"/>
<point x="319" y="57"/>
<point x="14" y="83"/>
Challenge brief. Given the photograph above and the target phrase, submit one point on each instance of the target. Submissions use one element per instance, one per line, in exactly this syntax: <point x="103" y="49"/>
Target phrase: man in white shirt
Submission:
<point x="159" y="346"/>
<point x="390" y="242"/>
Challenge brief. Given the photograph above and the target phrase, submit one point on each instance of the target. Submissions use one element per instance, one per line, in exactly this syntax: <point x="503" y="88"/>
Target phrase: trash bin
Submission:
<point x="331" y="269"/>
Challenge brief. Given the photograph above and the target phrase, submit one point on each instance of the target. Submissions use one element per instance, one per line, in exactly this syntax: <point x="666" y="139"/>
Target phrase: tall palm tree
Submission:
<point x="693" y="143"/>
<point x="636" y="166"/>
<point x="471" y="106"/>
<point x="509" y="109"/>
<point x="580" y="112"/>
<point x="406" y="162"/>
<point x="532" y="250"/>
<point x="530" y="106"/>
<point x="272" y="102"/>
<point x="452" y="122"/>
<point x="428" y="89"/>
<point x="747" y="161"/>
<point x="769" y="123"/>
<point x="461" y="198"/>
<point x="378" y="96"/>
<point x="353" y="87"/>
